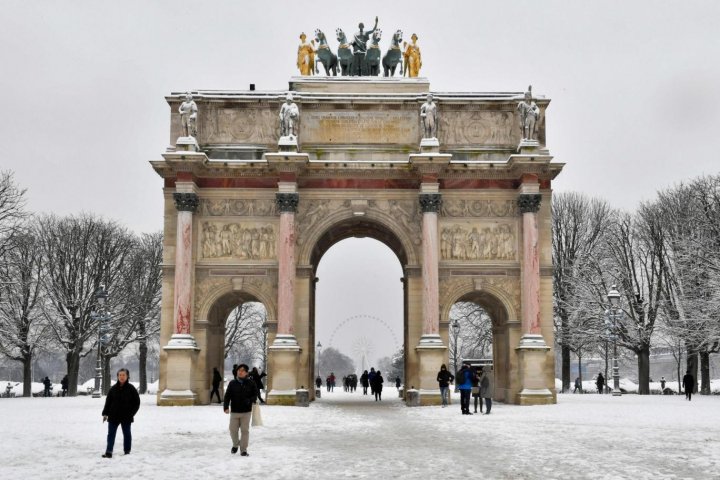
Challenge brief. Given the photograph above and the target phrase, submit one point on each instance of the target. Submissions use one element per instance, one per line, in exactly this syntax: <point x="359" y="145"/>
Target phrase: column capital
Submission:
<point x="186" y="202"/>
<point x="287" y="202"/>
<point x="529" y="202"/>
<point x="430" y="202"/>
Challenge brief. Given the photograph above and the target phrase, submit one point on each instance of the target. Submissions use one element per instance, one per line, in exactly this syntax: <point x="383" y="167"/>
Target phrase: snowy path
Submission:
<point x="351" y="436"/>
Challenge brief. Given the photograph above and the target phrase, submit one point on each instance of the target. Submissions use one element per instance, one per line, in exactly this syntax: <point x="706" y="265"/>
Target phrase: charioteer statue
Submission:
<point x="359" y="45"/>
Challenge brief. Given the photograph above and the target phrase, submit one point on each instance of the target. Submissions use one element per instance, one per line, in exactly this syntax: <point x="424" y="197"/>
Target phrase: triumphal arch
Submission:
<point x="259" y="184"/>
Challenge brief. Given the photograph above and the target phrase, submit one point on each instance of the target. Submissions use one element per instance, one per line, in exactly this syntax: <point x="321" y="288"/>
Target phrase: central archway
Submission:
<point x="357" y="228"/>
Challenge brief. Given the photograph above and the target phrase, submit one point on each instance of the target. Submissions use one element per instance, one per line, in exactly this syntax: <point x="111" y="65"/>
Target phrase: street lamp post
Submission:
<point x="456" y="332"/>
<point x="319" y="349"/>
<point x="613" y="315"/>
<point x="100" y="297"/>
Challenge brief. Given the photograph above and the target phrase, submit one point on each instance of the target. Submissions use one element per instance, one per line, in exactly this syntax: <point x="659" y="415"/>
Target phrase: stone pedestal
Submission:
<point x="429" y="145"/>
<point x="288" y="144"/>
<point x="182" y="354"/>
<point x="532" y="354"/>
<point x="284" y="362"/>
<point x="413" y="398"/>
<point x="187" y="144"/>
<point x="430" y="358"/>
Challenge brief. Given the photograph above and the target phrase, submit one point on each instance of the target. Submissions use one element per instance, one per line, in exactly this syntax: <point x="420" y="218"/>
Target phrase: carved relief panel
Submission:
<point x="239" y="240"/>
<point x="479" y="208"/>
<point x="236" y="207"/>
<point x="220" y="125"/>
<point x="478" y="240"/>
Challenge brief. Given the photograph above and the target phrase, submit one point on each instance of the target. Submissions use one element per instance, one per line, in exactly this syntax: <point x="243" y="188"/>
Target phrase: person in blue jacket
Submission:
<point x="464" y="381"/>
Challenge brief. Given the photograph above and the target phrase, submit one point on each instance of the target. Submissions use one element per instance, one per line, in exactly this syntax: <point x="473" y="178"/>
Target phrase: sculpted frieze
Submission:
<point x="406" y="213"/>
<point x="250" y="241"/>
<point x="479" y="208"/>
<point x="478" y="127"/>
<point x="311" y="212"/>
<point x="234" y="207"/>
<point x="478" y="241"/>
<point x="235" y="125"/>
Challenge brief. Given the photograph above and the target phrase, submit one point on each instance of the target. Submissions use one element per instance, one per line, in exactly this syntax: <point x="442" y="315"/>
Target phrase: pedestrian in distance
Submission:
<point x="578" y="385"/>
<point x="662" y="385"/>
<point x="464" y="382"/>
<point x="365" y="381"/>
<point x="46" y="382"/>
<point x="444" y="379"/>
<point x="688" y="385"/>
<point x="486" y="391"/>
<point x="600" y="382"/>
<point x="377" y="386"/>
<point x="371" y="376"/>
<point x="240" y="396"/>
<point x="121" y="405"/>
<point x="257" y="377"/>
<point x="64" y="385"/>
<point x="476" y="390"/>
<point x="397" y="383"/>
<point x="217" y="378"/>
<point x="318" y="382"/>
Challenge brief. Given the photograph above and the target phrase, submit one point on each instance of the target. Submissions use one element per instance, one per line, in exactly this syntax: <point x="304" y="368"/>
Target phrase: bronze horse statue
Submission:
<point x="372" y="56"/>
<point x="345" y="54"/>
<point x="325" y="55"/>
<point x="393" y="57"/>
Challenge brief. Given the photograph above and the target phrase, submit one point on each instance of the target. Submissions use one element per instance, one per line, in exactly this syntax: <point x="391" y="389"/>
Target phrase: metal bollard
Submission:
<point x="318" y="392"/>
<point x="401" y="392"/>
<point x="302" y="398"/>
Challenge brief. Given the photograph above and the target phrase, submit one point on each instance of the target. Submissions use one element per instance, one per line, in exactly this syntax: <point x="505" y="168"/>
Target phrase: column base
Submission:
<point x="431" y="354"/>
<point x="532" y="353"/>
<point x="284" y="354"/>
<point x="182" y="353"/>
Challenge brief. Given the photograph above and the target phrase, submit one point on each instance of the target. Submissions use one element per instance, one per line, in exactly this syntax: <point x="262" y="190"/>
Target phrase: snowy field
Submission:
<point x="351" y="436"/>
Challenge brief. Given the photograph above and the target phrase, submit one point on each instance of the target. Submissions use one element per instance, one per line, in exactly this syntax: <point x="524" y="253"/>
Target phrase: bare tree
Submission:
<point x="332" y="360"/>
<point x="80" y="253"/>
<point x="12" y="209"/>
<point x="22" y="329"/>
<point x="243" y="328"/>
<point x="134" y="305"/>
<point x="579" y="227"/>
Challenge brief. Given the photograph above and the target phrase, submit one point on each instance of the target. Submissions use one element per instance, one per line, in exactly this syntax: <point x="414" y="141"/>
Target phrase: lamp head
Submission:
<point x="101" y="295"/>
<point x="319" y="345"/>
<point x="613" y="296"/>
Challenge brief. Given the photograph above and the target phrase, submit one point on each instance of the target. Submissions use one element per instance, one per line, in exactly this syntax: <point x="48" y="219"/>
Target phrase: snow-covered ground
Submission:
<point x="350" y="436"/>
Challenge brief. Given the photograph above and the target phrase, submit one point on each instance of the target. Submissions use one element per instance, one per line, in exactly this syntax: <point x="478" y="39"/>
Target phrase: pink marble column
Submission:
<point x="430" y="205"/>
<point x="186" y="204"/>
<point x="529" y="204"/>
<point x="287" y="205"/>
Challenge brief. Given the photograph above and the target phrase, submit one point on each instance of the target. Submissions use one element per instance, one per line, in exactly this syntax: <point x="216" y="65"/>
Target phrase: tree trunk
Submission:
<point x="73" y="367"/>
<point x="679" y="377"/>
<point x="565" y="351"/>
<point x="580" y="372"/>
<point x="692" y="365"/>
<point x="27" y="376"/>
<point x="643" y="356"/>
<point x="106" y="378"/>
<point x="142" y="366"/>
<point x="705" y="373"/>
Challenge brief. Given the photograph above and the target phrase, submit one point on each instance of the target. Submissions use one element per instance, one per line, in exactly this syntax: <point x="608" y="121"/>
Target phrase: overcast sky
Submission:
<point x="635" y="86"/>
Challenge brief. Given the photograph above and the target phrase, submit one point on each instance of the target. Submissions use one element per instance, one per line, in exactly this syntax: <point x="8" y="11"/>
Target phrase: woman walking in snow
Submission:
<point x="121" y="405"/>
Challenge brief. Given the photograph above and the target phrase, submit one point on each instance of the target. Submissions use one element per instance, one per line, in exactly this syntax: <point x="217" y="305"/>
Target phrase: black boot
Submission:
<point x="107" y="455"/>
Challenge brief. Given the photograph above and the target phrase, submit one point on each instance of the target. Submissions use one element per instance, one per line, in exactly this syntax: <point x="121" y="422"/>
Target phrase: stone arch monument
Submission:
<point x="249" y="214"/>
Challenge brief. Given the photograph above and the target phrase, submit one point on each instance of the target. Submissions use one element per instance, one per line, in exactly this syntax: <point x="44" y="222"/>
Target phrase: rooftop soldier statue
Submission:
<point x="529" y="115"/>
<point x="289" y="115"/>
<point x="359" y="45"/>
<point x="188" y="116"/>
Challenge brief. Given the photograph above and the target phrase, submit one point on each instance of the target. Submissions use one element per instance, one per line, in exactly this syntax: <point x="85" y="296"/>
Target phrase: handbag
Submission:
<point x="256" y="416"/>
<point x="476" y="390"/>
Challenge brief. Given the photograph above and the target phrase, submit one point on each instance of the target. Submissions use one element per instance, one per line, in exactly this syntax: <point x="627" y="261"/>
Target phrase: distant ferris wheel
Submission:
<point x="362" y="346"/>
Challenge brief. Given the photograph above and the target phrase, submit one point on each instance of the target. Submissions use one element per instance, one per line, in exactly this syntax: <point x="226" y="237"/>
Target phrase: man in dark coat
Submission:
<point x="121" y="405"/>
<point x="364" y="381"/>
<point x="377" y="385"/>
<point x="240" y="395"/>
<point x="217" y="378"/>
<point x="64" y="385"/>
<point x="257" y="378"/>
<point x="444" y="378"/>
<point x="600" y="383"/>
<point x="48" y="384"/>
<point x="688" y="385"/>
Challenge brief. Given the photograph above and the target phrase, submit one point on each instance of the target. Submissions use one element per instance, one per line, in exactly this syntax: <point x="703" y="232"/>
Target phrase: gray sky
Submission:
<point x="635" y="86"/>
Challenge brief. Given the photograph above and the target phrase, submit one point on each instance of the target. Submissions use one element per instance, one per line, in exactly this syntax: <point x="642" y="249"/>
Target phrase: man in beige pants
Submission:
<point x="240" y="395"/>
